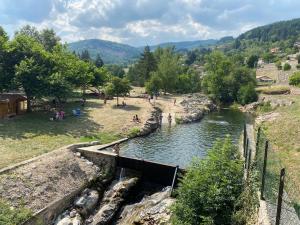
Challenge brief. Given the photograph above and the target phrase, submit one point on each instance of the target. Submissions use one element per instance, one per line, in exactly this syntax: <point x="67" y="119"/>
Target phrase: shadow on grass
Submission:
<point x="127" y="107"/>
<point x="38" y="123"/>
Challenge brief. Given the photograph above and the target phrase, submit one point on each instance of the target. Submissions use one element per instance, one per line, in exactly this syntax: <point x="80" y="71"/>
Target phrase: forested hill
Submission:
<point x="185" y="45"/>
<point x="274" y="32"/>
<point x="117" y="53"/>
<point x="110" y="52"/>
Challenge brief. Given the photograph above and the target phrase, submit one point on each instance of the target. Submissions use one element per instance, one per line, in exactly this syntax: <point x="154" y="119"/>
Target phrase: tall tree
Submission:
<point x="85" y="56"/>
<point x="99" y="62"/>
<point x="48" y="39"/>
<point x="168" y="69"/>
<point x="117" y="87"/>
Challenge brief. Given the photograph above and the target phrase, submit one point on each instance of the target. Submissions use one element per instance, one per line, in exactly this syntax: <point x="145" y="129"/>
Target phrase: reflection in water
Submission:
<point x="179" y="144"/>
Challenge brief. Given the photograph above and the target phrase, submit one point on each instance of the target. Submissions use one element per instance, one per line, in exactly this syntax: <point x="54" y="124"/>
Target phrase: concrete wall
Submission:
<point x="46" y="215"/>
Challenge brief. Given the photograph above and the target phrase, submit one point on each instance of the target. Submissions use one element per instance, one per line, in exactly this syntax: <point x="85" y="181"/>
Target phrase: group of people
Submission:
<point x="136" y="119"/>
<point x="58" y="115"/>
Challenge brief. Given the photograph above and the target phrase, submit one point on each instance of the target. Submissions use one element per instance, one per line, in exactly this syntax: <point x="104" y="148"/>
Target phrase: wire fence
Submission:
<point x="278" y="187"/>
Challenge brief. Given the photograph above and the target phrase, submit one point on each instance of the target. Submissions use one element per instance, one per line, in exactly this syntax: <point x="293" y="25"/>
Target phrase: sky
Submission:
<point x="142" y="22"/>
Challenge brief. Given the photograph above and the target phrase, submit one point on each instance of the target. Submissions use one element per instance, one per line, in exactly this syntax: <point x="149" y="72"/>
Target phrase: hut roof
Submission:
<point x="11" y="97"/>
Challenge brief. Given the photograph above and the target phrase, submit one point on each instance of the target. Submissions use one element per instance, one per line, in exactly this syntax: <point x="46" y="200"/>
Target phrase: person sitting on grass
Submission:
<point x="137" y="119"/>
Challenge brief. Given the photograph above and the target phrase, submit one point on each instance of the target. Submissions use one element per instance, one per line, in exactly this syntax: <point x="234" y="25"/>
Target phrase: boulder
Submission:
<point x="67" y="220"/>
<point x="87" y="202"/>
<point x="154" y="209"/>
<point x="113" y="200"/>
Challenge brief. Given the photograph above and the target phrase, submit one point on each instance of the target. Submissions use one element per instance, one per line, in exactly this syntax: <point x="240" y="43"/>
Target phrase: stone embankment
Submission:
<point x="194" y="107"/>
<point x="152" y="123"/>
<point x="89" y="209"/>
<point x="153" y="209"/>
<point x="273" y="102"/>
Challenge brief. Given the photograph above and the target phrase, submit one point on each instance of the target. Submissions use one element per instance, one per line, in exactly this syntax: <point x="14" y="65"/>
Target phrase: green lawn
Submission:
<point x="29" y="135"/>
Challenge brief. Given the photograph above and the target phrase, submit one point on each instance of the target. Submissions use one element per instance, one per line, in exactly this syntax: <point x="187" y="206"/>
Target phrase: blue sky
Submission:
<point x="140" y="22"/>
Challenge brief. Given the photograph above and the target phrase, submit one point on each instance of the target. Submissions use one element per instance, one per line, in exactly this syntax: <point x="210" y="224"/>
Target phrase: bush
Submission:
<point x="286" y="66"/>
<point x="265" y="107"/>
<point x="133" y="132"/>
<point x="278" y="65"/>
<point x="247" y="94"/>
<point x="295" y="79"/>
<point x="298" y="66"/>
<point x="208" y="191"/>
<point x="13" y="216"/>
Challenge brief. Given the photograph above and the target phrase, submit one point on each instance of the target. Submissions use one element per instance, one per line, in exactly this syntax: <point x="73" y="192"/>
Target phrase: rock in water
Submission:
<point x="113" y="199"/>
<point x="70" y="221"/>
<point x="87" y="202"/>
<point x="154" y="209"/>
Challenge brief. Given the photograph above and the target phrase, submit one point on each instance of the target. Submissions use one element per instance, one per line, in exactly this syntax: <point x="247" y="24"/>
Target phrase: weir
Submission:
<point x="153" y="172"/>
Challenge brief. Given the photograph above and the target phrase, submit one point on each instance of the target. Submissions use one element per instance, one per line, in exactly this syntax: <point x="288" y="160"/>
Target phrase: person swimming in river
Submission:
<point x="170" y="119"/>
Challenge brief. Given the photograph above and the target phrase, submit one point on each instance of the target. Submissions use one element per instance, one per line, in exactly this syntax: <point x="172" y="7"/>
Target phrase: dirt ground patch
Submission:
<point x="49" y="178"/>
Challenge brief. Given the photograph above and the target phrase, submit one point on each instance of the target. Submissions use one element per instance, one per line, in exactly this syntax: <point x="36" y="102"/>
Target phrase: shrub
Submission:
<point x="247" y="94"/>
<point x="295" y="79"/>
<point x="12" y="216"/>
<point x="278" y="65"/>
<point x="298" y="66"/>
<point x="286" y="66"/>
<point x="133" y="132"/>
<point x="265" y="107"/>
<point x="208" y="191"/>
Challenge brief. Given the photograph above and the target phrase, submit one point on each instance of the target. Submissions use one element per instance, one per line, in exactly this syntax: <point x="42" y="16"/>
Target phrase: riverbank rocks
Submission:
<point x="152" y="123"/>
<point x="195" y="106"/>
<point x="154" y="209"/>
<point x="70" y="220"/>
<point x="113" y="200"/>
<point x="87" y="202"/>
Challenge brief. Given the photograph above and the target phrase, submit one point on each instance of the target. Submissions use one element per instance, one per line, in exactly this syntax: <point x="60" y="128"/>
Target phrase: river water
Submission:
<point x="178" y="144"/>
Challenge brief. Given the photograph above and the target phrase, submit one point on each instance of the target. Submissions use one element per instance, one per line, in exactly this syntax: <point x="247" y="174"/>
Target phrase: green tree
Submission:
<point x="100" y="77"/>
<point x="225" y="78"/>
<point x="278" y="65"/>
<point x="48" y="39"/>
<point x="294" y="79"/>
<point x="154" y="84"/>
<point x="209" y="189"/>
<point x="30" y="75"/>
<point x="252" y="61"/>
<point x="117" y="87"/>
<point x="85" y="56"/>
<point x="286" y="66"/>
<point x="116" y="70"/>
<point x="168" y="69"/>
<point x="146" y="64"/>
<point x="99" y="62"/>
<point x="247" y="94"/>
<point x="31" y="66"/>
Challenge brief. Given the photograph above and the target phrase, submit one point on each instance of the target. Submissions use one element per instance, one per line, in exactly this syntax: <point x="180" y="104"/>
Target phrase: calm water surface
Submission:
<point x="177" y="145"/>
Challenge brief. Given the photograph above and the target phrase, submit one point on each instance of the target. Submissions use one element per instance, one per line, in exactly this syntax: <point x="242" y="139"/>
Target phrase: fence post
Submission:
<point x="262" y="189"/>
<point x="257" y="142"/>
<point x="246" y="152"/>
<point x="245" y="138"/>
<point x="249" y="161"/>
<point x="280" y="195"/>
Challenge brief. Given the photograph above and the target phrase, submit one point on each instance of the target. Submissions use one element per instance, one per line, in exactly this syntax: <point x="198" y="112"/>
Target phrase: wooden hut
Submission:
<point x="12" y="104"/>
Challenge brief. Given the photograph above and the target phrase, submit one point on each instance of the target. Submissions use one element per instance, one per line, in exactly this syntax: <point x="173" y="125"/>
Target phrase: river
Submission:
<point x="177" y="145"/>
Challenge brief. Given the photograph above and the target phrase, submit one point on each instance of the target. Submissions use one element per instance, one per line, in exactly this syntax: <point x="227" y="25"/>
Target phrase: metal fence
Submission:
<point x="277" y="187"/>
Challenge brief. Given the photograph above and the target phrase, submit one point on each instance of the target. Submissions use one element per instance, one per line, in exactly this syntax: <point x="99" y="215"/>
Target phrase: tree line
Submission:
<point x="225" y="77"/>
<point x="36" y="63"/>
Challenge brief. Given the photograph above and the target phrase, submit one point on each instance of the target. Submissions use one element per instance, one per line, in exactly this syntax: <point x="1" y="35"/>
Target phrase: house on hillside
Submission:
<point x="297" y="44"/>
<point x="12" y="104"/>
<point x="264" y="79"/>
<point x="274" y="50"/>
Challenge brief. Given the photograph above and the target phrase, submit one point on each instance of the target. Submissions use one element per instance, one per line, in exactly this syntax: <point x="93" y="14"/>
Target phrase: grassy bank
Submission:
<point x="284" y="136"/>
<point x="32" y="134"/>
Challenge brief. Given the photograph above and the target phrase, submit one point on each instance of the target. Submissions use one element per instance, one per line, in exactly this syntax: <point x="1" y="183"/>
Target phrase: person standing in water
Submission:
<point x="170" y="119"/>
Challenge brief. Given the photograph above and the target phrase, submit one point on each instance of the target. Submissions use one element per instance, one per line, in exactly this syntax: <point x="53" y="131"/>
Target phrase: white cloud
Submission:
<point x="140" y="22"/>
